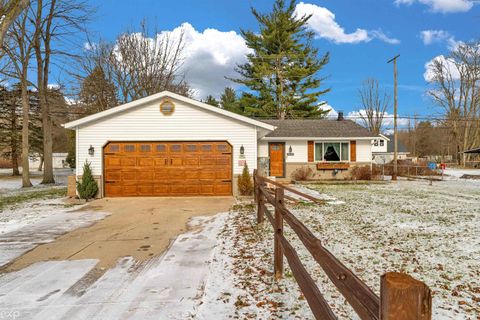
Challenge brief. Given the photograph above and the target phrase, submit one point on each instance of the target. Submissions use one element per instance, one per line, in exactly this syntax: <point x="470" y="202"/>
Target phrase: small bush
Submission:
<point x="365" y="173"/>
<point x="245" y="185"/>
<point x="302" y="174"/>
<point x="88" y="188"/>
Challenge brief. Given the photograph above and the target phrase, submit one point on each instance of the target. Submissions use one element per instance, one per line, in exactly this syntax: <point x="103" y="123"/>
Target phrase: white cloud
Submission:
<point x="447" y="64"/>
<point x="210" y="56"/>
<point x="443" y="6"/>
<point x="332" y="113"/>
<point x="439" y="36"/>
<point x="324" y="25"/>
<point x="387" y="119"/>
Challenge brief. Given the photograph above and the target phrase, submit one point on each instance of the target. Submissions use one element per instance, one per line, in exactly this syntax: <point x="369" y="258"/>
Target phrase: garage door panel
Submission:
<point x="168" y="168"/>
<point x="144" y="162"/>
<point x="128" y="162"/>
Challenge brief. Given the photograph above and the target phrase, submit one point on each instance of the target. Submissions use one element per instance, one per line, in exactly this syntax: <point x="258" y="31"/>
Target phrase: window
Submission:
<point x="114" y="148"/>
<point x="145" y="148"/>
<point x="175" y="148"/>
<point x="382" y="143"/>
<point x="160" y="148"/>
<point x="222" y="148"/>
<point x="332" y="151"/>
<point x="375" y="143"/>
<point x="191" y="147"/>
<point x="206" y="147"/>
<point x="129" y="148"/>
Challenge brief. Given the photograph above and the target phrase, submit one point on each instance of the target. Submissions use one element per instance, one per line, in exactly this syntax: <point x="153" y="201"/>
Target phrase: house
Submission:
<point x="167" y="144"/>
<point x="59" y="160"/>
<point x="383" y="150"/>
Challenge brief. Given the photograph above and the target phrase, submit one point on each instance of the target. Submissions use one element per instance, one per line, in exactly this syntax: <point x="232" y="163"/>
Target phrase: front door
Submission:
<point x="277" y="159"/>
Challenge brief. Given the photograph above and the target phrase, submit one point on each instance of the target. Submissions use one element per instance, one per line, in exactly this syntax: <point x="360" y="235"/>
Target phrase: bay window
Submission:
<point x="332" y="151"/>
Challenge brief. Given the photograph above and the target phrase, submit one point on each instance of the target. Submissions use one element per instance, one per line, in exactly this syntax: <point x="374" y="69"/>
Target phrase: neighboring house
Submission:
<point x="58" y="159"/>
<point x="383" y="150"/>
<point x="167" y="144"/>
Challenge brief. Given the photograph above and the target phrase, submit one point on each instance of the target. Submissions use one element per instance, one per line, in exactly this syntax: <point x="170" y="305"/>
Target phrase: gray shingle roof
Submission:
<point x="317" y="128"/>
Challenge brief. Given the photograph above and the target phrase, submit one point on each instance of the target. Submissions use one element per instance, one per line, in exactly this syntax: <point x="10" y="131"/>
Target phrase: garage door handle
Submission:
<point x="109" y="181"/>
<point x="226" y="180"/>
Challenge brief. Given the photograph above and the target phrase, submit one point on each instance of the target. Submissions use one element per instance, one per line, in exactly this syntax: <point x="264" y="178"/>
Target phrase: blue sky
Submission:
<point x="360" y="35"/>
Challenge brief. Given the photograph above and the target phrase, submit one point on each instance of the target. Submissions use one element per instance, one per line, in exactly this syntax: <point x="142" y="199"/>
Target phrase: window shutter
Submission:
<point x="353" y="151"/>
<point x="310" y="151"/>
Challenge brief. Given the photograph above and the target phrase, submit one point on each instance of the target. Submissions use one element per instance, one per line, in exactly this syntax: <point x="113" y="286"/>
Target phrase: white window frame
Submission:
<point x="382" y="142"/>
<point x="340" y="155"/>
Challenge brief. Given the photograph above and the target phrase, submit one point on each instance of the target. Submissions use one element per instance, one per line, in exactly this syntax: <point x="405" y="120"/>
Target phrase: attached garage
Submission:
<point x="167" y="145"/>
<point x="168" y="168"/>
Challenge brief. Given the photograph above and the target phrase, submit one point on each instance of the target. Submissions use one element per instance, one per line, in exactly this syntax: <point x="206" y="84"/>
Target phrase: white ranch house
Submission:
<point x="168" y="144"/>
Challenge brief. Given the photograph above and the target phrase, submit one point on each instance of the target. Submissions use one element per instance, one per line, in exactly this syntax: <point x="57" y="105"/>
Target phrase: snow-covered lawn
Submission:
<point x="430" y="232"/>
<point x="33" y="216"/>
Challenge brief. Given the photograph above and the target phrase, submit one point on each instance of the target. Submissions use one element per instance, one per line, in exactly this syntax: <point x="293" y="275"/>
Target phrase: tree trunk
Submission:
<point x="40" y="166"/>
<point x="47" y="142"/>
<point x="15" y="170"/>
<point x="25" y="144"/>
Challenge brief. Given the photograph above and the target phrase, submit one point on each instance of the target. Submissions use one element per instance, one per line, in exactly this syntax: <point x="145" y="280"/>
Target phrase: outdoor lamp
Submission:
<point x="242" y="149"/>
<point x="290" y="149"/>
<point x="91" y="150"/>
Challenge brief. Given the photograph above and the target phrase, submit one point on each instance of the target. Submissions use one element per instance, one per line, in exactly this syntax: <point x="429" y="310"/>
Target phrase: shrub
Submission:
<point x="365" y="173"/>
<point x="302" y="174"/>
<point x="88" y="188"/>
<point x="245" y="185"/>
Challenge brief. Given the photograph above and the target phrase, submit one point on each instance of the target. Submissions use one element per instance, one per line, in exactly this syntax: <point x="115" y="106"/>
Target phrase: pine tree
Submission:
<point x="282" y="70"/>
<point x="211" y="101"/>
<point x="88" y="188"/>
<point x="229" y="101"/>
<point x="97" y="93"/>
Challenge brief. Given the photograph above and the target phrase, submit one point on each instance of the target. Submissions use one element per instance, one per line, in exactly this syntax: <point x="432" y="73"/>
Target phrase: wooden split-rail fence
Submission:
<point x="401" y="296"/>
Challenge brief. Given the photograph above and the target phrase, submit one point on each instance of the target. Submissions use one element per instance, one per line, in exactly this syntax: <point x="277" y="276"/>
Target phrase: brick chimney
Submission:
<point x="340" y="116"/>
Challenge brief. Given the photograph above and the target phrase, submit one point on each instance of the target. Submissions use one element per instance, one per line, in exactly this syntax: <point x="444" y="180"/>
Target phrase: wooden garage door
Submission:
<point x="167" y="168"/>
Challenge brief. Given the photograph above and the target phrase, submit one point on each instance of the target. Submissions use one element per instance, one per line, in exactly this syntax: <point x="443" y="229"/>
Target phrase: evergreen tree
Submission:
<point x="282" y="69"/>
<point x="229" y="101"/>
<point x="97" y="93"/>
<point x="88" y="188"/>
<point x="211" y="101"/>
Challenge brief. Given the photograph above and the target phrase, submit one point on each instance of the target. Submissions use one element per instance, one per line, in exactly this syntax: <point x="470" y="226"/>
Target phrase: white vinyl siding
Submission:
<point x="147" y="123"/>
<point x="364" y="151"/>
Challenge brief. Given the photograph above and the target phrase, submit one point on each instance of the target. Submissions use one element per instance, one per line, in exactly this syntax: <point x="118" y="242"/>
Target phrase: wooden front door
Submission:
<point x="277" y="159"/>
<point x="167" y="168"/>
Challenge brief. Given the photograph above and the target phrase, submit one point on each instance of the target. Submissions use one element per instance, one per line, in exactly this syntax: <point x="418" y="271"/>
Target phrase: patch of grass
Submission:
<point x="16" y="199"/>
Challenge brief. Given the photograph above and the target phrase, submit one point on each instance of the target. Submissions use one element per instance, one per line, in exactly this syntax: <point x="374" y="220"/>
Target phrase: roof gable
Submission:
<point x="104" y="115"/>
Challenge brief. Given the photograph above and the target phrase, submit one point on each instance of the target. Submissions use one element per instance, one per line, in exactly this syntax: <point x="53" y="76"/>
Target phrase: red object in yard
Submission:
<point x="443" y="166"/>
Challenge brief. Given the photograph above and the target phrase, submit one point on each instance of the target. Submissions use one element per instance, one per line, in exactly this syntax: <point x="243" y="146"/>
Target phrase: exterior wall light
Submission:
<point x="242" y="150"/>
<point x="290" y="149"/>
<point x="91" y="150"/>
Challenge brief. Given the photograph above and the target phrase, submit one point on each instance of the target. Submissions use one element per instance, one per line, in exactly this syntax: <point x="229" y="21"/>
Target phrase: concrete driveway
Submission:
<point x="119" y="267"/>
<point x="137" y="227"/>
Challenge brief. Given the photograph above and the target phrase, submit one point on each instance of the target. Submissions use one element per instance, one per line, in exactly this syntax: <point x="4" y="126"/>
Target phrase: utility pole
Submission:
<point x="395" y="106"/>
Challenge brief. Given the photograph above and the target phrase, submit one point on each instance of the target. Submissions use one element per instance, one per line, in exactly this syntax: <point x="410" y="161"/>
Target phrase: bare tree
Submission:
<point x="55" y="20"/>
<point x="374" y="104"/>
<point x="140" y="64"/>
<point x="19" y="49"/>
<point x="9" y="12"/>
<point x="456" y="89"/>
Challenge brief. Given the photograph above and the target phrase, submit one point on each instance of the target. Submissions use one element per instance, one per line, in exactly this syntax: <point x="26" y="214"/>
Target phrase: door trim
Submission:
<point x="270" y="159"/>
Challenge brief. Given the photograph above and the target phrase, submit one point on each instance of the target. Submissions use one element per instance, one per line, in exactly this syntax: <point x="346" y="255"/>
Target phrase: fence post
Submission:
<point x="277" y="249"/>
<point x="404" y="298"/>
<point x="260" y="202"/>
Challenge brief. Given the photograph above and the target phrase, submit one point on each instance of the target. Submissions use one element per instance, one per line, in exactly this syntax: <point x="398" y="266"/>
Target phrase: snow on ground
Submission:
<point x="430" y="232"/>
<point x="9" y="184"/>
<point x="457" y="173"/>
<point x="25" y="226"/>
<point x="167" y="287"/>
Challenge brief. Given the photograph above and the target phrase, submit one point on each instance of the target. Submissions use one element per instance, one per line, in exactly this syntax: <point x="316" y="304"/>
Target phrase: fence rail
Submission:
<point x="401" y="296"/>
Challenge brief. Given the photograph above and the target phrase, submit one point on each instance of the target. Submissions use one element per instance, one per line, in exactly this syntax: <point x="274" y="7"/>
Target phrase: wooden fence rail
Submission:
<point x="401" y="296"/>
